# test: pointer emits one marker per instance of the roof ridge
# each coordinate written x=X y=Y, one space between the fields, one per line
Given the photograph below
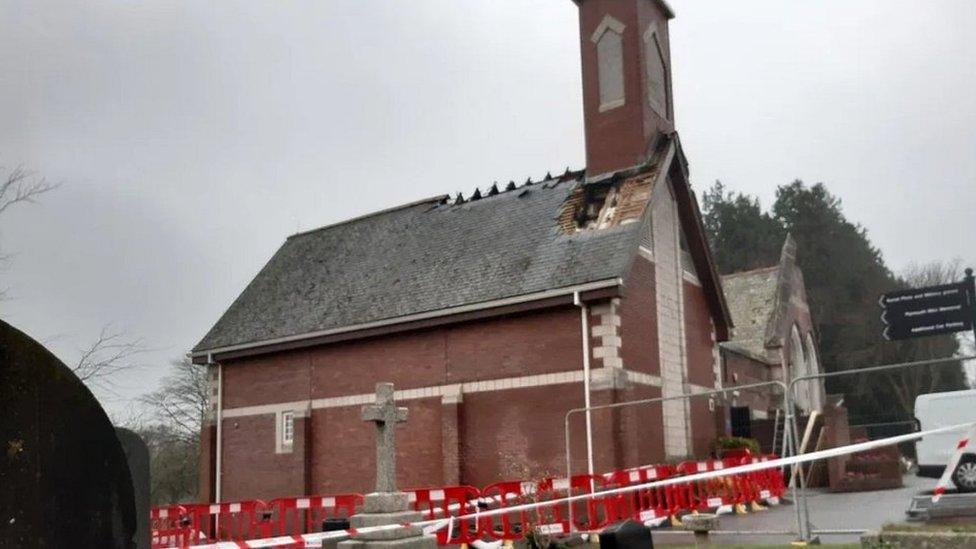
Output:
x=549 y=180
x=434 y=199
x=568 y=175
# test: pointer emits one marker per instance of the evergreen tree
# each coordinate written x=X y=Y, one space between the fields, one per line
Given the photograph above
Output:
x=741 y=235
x=844 y=275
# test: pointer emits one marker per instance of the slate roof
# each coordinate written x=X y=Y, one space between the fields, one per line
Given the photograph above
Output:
x=419 y=258
x=751 y=296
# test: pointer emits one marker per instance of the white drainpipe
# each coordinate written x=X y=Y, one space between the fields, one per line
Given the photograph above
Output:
x=220 y=424
x=585 y=326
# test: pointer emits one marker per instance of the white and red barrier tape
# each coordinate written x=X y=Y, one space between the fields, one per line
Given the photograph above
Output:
x=946 y=480
x=430 y=526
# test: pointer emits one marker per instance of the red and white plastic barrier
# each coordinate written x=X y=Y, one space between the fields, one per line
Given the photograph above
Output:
x=225 y=521
x=651 y=506
x=967 y=443
x=293 y=516
x=441 y=502
x=179 y=526
x=545 y=506
x=170 y=527
x=298 y=515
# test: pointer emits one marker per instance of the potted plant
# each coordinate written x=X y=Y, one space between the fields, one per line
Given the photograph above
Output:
x=736 y=447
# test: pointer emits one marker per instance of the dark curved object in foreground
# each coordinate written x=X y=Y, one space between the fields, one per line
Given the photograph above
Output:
x=64 y=481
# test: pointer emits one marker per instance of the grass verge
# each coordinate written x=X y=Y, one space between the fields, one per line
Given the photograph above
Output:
x=967 y=527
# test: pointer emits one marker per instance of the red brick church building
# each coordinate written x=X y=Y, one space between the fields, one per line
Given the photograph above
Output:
x=486 y=311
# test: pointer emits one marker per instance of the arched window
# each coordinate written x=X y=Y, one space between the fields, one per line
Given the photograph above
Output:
x=813 y=362
x=813 y=367
x=797 y=368
x=608 y=38
x=796 y=354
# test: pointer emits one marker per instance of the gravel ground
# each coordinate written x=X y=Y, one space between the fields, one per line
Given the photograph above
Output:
x=858 y=510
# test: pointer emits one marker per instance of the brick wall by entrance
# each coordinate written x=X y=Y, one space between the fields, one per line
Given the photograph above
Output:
x=638 y=313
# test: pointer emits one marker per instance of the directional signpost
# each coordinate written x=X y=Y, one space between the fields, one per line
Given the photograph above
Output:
x=934 y=310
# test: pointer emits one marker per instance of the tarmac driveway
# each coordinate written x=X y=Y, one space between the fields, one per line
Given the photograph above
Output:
x=857 y=510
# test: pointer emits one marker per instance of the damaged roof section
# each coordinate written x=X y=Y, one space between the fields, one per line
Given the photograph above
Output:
x=608 y=203
x=439 y=254
x=423 y=257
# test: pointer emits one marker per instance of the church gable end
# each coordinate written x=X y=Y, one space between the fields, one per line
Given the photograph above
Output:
x=509 y=295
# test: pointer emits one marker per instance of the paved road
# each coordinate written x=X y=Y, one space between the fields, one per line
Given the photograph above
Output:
x=867 y=510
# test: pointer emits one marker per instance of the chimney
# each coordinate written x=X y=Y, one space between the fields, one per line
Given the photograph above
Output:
x=626 y=81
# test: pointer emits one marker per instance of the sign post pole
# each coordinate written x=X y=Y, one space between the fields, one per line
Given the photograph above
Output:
x=971 y=298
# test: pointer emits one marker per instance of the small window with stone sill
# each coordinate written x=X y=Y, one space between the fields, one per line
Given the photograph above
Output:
x=287 y=428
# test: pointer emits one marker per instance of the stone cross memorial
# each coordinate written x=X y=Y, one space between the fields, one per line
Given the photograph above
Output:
x=386 y=415
x=386 y=505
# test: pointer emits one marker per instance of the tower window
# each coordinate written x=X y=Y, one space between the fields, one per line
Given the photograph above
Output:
x=657 y=73
x=608 y=38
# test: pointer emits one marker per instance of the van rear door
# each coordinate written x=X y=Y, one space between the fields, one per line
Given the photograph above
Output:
x=941 y=410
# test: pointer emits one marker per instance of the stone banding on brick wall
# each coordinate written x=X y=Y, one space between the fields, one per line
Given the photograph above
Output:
x=449 y=394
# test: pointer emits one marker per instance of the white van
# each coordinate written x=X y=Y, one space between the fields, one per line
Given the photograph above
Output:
x=941 y=410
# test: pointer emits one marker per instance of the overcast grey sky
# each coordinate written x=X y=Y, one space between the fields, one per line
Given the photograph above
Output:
x=192 y=137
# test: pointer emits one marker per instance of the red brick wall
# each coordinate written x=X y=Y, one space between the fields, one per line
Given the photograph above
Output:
x=342 y=447
x=638 y=436
x=638 y=320
x=451 y=443
x=701 y=369
x=539 y=343
x=343 y=457
x=251 y=468
x=344 y=451
x=491 y=431
x=524 y=437
x=742 y=370
x=703 y=426
x=519 y=433
x=268 y=379
x=698 y=337
x=517 y=345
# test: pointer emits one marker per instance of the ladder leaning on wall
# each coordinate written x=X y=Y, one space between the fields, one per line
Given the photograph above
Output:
x=779 y=442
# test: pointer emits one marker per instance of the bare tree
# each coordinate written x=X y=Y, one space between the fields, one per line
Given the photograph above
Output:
x=22 y=186
x=177 y=410
x=111 y=353
x=173 y=464
x=182 y=400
